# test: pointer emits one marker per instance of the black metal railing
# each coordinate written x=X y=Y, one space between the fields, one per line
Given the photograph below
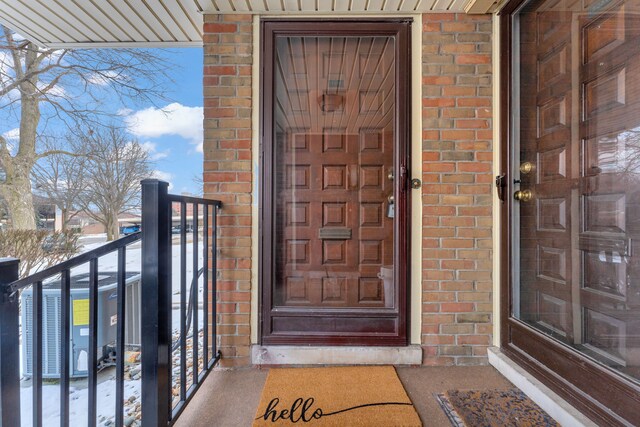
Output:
x=190 y=304
x=158 y=344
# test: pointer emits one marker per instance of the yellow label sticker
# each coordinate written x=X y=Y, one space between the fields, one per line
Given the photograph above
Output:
x=80 y=312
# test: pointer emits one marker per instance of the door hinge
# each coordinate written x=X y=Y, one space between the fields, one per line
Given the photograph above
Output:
x=501 y=184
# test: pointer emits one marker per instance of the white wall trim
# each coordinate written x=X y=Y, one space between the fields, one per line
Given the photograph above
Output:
x=416 y=172
x=325 y=355
x=255 y=196
x=497 y=204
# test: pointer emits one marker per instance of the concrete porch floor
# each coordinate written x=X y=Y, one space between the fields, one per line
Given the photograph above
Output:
x=230 y=397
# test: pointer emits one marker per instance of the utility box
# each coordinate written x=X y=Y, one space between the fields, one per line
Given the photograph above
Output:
x=79 y=336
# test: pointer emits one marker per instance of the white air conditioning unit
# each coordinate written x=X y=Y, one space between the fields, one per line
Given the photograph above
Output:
x=133 y=319
x=79 y=334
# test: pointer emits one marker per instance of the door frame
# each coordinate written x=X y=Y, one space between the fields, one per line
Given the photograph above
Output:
x=600 y=393
x=401 y=28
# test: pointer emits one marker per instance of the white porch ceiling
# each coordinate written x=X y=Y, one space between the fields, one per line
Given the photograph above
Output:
x=108 y=23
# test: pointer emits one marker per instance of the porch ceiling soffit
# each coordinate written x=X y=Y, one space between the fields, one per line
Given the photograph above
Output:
x=149 y=23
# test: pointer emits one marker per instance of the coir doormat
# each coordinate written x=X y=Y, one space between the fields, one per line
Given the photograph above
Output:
x=345 y=396
x=493 y=408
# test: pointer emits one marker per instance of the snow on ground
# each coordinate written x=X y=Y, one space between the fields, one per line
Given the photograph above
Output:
x=106 y=383
x=78 y=403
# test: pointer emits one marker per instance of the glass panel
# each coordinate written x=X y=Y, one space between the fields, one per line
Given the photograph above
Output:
x=333 y=169
x=577 y=121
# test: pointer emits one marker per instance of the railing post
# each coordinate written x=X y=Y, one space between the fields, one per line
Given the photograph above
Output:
x=156 y=305
x=9 y=346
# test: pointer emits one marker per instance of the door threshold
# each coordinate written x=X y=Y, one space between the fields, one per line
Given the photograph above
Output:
x=554 y=405
x=325 y=355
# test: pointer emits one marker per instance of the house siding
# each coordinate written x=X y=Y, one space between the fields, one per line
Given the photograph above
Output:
x=457 y=175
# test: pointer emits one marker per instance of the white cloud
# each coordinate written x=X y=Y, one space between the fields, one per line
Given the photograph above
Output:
x=7 y=76
x=174 y=119
x=164 y=176
x=12 y=135
x=56 y=90
x=103 y=78
x=152 y=150
x=6 y=64
x=52 y=56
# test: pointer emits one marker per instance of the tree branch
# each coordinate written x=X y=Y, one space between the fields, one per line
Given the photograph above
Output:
x=54 y=152
x=17 y=64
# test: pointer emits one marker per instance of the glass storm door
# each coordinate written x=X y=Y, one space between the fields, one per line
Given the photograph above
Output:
x=334 y=179
x=576 y=171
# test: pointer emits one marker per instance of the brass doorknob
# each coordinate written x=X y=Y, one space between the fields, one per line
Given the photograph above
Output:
x=526 y=168
x=523 y=195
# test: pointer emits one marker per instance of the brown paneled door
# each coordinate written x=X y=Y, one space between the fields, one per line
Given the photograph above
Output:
x=546 y=160
x=334 y=217
x=578 y=176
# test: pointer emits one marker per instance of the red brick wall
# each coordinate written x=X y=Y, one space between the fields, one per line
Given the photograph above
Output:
x=457 y=177
x=457 y=191
x=227 y=172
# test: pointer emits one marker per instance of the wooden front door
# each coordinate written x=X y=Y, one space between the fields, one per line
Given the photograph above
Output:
x=334 y=183
x=576 y=214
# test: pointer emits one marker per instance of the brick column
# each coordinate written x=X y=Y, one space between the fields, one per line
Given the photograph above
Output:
x=227 y=172
x=457 y=191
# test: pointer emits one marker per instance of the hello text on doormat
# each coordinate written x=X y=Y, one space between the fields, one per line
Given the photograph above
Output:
x=302 y=410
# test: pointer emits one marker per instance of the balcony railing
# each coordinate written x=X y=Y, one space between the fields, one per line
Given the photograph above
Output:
x=169 y=375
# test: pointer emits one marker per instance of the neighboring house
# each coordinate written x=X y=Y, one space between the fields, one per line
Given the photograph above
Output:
x=86 y=225
x=45 y=213
x=355 y=146
x=49 y=218
x=176 y=211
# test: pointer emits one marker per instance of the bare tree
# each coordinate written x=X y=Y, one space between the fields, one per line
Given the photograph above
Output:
x=198 y=180
x=72 y=86
x=114 y=168
x=60 y=177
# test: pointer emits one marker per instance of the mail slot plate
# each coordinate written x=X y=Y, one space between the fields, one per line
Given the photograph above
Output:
x=334 y=233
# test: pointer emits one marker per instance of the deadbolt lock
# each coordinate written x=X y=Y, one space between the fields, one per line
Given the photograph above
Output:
x=523 y=195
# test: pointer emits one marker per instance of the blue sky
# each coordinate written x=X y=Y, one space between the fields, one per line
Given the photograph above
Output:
x=171 y=131
x=174 y=137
